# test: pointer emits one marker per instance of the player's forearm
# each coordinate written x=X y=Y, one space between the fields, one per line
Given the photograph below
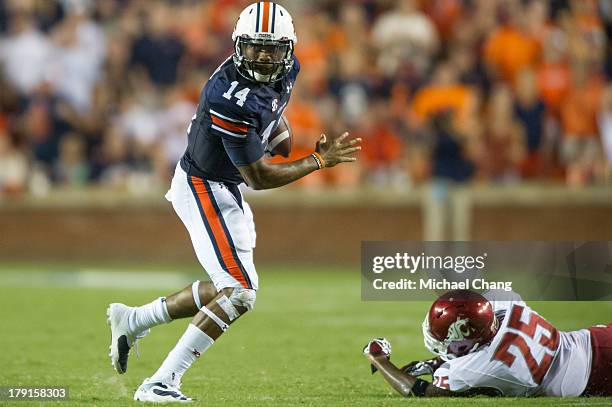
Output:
x=267 y=176
x=408 y=385
x=399 y=380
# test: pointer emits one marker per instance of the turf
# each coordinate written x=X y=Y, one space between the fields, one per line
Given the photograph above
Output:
x=300 y=346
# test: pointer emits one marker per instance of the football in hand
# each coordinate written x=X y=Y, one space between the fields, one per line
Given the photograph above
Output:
x=280 y=141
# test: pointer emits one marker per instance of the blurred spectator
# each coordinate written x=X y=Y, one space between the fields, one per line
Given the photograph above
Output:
x=580 y=145
x=444 y=14
x=25 y=53
x=77 y=61
x=174 y=120
x=554 y=78
x=510 y=48
x=530 y=111
x=469 y=69
x=443 y=93
x=139 y=118
x=405 y=35
x=351 y=85
x=45 y=121
x=158 y=49
x=72 y=167
x=503 y=138
x=450 y=158
x=102 y=92
x=605 y=125
x=383 y=149
x=13 y=166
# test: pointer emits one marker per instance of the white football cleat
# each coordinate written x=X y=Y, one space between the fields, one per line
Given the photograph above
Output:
x=122 y=339
x=158 y=392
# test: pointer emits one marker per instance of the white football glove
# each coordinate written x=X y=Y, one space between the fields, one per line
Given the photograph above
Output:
x=378 y=346
x=419 y=369
x=424 y=367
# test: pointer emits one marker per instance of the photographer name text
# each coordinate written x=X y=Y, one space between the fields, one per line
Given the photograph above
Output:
x=441 y=284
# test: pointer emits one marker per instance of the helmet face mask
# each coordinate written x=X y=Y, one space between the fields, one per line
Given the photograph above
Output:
x=263 y=61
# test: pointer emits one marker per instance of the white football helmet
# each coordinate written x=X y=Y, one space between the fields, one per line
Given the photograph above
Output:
x=264 y=39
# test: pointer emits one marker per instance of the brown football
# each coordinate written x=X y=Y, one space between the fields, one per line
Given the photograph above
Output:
x=281 y=139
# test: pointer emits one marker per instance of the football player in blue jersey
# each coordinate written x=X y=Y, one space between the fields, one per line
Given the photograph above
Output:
x=240 y=107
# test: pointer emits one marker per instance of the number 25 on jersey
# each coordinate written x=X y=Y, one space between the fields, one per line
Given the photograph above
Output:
x=525 y=342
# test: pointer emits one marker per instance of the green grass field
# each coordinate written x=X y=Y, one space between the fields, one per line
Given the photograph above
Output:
x=300 y=346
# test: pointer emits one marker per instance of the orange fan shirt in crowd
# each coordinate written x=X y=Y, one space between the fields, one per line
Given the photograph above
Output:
x=311 y=54
x=508 y=51
x=444 y=14
x=433 y=99
x=553 y=81
x=579 y=109
x=336 y=39
x=381 y=148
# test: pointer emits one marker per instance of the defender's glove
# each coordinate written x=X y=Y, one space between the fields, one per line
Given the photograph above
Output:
x=422 y=367
x=377 y=346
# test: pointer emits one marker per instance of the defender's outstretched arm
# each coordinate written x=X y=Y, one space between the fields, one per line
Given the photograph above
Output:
x=408 y=385
x=399 y=380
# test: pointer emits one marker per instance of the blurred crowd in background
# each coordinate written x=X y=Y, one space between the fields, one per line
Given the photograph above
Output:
x=100 y=92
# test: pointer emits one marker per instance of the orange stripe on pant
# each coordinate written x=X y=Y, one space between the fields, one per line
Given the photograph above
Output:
x=266 y=17
x=220 y=239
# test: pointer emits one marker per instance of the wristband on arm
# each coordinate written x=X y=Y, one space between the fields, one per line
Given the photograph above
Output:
x=318 y=159
x=418 y=388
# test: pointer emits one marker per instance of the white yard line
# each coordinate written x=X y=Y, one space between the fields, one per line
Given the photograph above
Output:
x=96 y=278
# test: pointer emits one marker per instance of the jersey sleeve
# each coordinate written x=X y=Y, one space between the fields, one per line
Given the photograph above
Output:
x=502 y=300
x=296 y=65
x=446 y=378
x=237 y=129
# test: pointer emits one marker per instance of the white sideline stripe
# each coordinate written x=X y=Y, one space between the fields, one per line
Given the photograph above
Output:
x=222 y=130
x=93 y=278
x=228 y=118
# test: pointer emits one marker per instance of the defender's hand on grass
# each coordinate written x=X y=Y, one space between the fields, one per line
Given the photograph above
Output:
x=378 y=348
x=339 y=150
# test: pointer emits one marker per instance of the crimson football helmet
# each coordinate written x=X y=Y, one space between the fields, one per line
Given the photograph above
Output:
x=458 y=323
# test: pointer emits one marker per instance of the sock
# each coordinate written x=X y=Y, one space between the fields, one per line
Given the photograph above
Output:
x=192 y=344
x=149 y=315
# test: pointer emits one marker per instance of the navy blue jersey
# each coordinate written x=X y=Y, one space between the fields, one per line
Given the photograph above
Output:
x=234 y=119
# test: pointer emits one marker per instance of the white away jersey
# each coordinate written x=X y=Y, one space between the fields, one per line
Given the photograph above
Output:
x=527 y=357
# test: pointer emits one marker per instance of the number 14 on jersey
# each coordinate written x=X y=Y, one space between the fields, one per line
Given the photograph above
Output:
x=241 y=95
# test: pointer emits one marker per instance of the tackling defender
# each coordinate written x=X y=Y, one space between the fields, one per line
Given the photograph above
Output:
x=499 y=348
x=240 y=106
